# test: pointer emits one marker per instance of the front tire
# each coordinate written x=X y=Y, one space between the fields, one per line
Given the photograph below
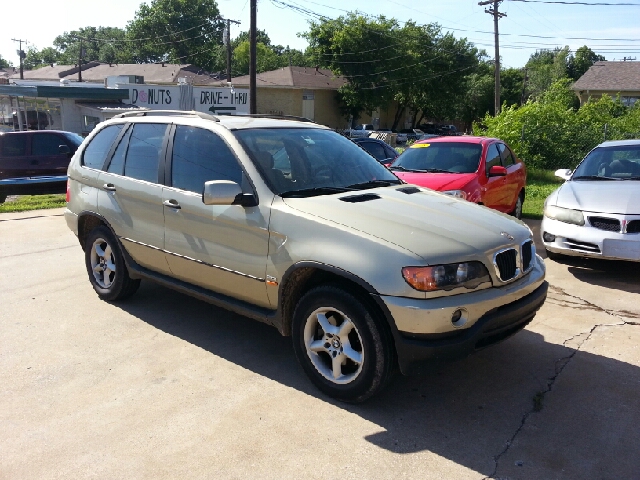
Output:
x=517 y=210
x=107 y=271
x=342 y=346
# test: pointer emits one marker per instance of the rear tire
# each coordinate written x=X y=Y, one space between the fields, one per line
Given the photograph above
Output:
x=3 y=197
x=107 y=271
x=343 y=347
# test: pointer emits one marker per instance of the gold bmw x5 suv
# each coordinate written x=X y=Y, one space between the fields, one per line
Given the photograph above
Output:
x=289 y=223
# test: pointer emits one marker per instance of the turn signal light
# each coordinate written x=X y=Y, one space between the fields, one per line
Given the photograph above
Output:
x=68 y=190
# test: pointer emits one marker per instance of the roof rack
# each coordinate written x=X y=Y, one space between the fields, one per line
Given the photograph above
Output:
x=277 y=117
x=146 y=113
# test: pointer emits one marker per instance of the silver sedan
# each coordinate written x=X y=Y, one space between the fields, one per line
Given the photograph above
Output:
x=596 y=212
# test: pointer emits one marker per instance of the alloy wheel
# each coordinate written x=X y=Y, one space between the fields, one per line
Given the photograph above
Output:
x=103 y=263
x=334 y=345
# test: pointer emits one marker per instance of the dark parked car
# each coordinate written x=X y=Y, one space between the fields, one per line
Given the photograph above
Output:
x=35 y=162
x=377 y=149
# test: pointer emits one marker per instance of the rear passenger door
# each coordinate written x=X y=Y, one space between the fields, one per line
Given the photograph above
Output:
x=46 y=156
x=219 y=247
x=130 y=197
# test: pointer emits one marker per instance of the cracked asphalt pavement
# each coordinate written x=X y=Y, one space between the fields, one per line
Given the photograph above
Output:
x=165 y=386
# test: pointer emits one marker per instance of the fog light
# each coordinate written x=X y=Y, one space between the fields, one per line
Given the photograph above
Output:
x=547 y=237
x=459 y=317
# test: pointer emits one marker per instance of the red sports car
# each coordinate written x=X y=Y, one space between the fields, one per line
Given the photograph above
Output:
x=477 y=169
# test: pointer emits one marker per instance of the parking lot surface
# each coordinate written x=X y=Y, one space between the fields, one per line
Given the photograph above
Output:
x=165 y=386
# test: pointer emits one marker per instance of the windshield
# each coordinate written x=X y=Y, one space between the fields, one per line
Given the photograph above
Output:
x=621 y=162
x=312 y=160
x=450 y=157
x=74 y=138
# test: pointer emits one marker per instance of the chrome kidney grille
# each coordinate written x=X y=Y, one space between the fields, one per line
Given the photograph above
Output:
x=512 y=263
x=507 y=263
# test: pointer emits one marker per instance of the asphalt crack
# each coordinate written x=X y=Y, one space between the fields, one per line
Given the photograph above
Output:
x=561 y=363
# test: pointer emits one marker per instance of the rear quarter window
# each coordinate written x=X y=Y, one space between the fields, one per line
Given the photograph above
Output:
x=96 y=152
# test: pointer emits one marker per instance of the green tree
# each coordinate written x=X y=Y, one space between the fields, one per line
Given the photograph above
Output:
x=417 y=66
x=177 y=31
x=94 y=40
x=583 y=59
x=266 y=59
x=545 y=67
x=4 y=63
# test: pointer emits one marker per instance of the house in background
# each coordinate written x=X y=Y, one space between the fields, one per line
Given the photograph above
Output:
x=610 y=78
x=308 y=92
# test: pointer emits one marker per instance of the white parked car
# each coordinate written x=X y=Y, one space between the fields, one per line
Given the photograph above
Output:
x=596 y=212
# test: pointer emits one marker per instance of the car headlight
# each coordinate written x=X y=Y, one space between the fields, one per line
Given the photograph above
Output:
x=565 y=215
x=446 y=277
x=456 y=193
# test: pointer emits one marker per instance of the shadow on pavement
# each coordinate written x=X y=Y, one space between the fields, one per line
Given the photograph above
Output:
x=466 y=413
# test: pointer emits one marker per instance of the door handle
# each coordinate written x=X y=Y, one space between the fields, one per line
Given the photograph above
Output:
x=109 y=187
x=35 y=162
x=172 y=204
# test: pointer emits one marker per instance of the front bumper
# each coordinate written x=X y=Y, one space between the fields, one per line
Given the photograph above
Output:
x=587 y=241
x=424 y=333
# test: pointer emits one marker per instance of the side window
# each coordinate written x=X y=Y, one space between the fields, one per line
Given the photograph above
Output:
x=375 y=149
x=493 y=157
x=117 y=161
x=200 y=156
x=507 y=156
x=96 y=152
x=144 y=150
x=14 y=145
x=46 y=144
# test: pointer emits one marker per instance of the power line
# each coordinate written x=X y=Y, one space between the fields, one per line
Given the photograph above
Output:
x=560 y=2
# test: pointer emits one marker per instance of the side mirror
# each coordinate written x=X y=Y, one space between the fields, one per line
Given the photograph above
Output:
x=497 y=171
x=564 y=173
x=64 y=150
x=221 y=192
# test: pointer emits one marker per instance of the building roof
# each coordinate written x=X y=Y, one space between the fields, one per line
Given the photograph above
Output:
x=97 y=72
x=295 y=77
x=611 y=77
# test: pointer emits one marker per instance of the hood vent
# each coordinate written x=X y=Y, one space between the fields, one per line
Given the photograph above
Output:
x=409 y=190
x=365 y=197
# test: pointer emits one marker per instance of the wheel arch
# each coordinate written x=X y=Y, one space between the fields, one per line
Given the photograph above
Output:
x=303 y=276
x=87 y=221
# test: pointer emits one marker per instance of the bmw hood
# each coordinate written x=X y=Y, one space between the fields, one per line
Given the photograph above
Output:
x=601 y=196
x=426 y=223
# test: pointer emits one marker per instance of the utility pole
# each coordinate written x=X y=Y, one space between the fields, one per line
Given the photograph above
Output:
x=227 y=40
x=493 y=10
x=80 y=62
x=21 y=54
x=252 y=60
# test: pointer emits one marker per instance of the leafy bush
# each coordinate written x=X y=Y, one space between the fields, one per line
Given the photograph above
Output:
x=550 y=133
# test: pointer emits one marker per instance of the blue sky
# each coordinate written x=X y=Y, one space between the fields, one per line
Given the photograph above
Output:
x=464 y=18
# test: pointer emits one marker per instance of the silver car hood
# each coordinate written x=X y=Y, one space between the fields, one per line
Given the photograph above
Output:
x=428 y=224
x=602 y=196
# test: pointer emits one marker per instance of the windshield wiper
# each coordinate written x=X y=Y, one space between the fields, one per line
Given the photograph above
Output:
x=592 y=177
x=631 y=178
x=436 y=170
x=404 y=169
x=312 y=192
x=373 y=184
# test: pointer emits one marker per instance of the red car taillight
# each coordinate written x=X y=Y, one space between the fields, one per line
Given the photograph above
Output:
x=68 y=190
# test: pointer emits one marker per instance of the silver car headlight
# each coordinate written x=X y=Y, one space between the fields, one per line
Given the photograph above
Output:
x=566 y=215
x=456 y=193
x=446 y=277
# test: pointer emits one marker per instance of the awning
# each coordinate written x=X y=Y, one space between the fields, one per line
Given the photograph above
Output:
x=48 y=91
